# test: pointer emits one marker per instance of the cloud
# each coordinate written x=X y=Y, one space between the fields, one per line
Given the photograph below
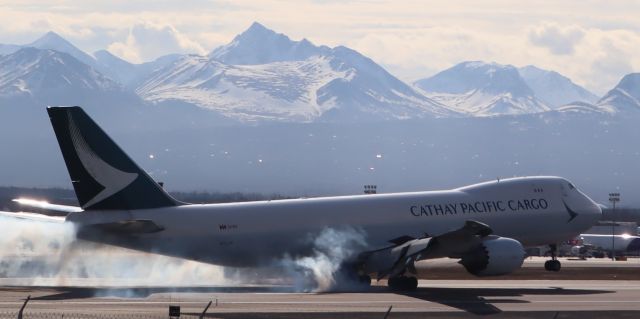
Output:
x=147 y=41
x=415 y=53
x=598 y=61
x=611 y=61
x=559 y=40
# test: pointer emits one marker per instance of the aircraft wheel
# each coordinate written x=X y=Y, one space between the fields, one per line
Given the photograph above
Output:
x=403 y=283
x=552 y=265
x=347 y=278
x=365 y=280
x=555 y=265
x=412 y=283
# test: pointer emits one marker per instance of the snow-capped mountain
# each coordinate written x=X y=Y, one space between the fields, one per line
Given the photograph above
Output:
x=482 y=89
x=317 y=84
x=625 y=97
x=31 y=79
x=292 y=81
x=119 y=70
x=40 y=73
x=124 y=72
x=273 y=47
x=52 y=41
x=553 y=88
x=264 y=75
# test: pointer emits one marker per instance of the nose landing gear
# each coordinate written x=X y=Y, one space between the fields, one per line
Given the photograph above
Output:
x=554 y=263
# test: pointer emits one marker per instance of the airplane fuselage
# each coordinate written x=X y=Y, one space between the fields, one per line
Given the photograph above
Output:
x=533 y=210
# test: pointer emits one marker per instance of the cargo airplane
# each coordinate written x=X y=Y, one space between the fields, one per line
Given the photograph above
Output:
x=486 y=226
x=622 y=244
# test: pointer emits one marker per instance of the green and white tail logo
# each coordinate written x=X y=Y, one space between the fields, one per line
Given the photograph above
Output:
x=112 y=179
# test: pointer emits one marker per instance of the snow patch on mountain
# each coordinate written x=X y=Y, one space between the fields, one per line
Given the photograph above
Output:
x=281 y=90
x=584 y=108
x=480 y=103
x=553 y=88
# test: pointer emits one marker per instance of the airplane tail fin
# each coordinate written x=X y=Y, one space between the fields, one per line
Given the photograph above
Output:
x=103 y=176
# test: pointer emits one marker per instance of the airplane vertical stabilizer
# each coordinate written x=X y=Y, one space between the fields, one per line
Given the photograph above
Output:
x=103 y=176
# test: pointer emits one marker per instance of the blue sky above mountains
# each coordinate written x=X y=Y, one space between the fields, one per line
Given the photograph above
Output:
x=592 y=42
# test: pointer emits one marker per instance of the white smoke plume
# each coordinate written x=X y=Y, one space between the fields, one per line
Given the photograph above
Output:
x=332 y=248
x=47 y=254
x=35 y=253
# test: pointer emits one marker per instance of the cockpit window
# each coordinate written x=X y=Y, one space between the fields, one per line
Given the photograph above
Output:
x=571 y=186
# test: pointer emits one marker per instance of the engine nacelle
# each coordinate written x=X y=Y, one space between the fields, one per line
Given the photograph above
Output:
x=495 y=256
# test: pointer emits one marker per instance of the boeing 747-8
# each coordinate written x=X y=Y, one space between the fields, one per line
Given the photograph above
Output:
x=486 y=226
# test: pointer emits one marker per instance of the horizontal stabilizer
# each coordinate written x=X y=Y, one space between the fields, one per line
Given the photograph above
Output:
x=46 y=208
x=32 y=217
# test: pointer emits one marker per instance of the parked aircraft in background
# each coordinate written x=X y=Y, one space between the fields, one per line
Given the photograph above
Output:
x=602 y=244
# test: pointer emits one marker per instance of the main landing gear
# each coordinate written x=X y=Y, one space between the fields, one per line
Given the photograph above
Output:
x=364 y=280
x=403 y=283
x=350 y=277
x=554 y=263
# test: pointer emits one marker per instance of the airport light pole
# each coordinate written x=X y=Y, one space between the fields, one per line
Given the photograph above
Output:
x=613 y=198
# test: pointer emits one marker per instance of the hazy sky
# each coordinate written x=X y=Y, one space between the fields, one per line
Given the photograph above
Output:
x=593 y=42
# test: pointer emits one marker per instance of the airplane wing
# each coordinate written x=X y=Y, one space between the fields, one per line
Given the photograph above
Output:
x=395 y=260
x=46 y=208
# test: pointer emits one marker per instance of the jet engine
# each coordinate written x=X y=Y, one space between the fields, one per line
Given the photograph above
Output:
x=495 y=256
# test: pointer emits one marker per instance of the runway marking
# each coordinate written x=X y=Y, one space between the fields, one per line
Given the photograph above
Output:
x=222 y=302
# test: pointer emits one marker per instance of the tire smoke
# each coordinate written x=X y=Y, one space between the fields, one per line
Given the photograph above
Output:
x=35 y=253
x=321 y=272
x=42 y=253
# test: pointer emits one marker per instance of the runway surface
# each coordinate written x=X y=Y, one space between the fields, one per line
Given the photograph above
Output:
x=596 y=288
x=438 y=298
x=533 y=268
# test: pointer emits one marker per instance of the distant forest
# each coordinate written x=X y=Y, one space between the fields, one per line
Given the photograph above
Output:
x=64 y=196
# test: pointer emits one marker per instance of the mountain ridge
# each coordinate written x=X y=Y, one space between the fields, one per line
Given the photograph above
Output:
x=554 y=88
x=316 y=83
x=260 y=45
x=264 y=75
x=624 y=97
x=482 y=89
